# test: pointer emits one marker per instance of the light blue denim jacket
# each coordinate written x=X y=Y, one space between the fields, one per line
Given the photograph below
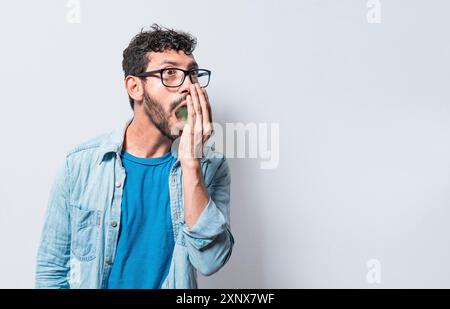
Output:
x=82 y=221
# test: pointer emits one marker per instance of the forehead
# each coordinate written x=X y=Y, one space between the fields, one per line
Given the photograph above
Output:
x=171 y=57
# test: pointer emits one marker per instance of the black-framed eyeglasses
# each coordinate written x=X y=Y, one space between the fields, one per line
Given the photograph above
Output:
x=174 y=77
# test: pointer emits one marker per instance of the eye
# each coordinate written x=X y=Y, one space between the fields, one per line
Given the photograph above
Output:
x=170 y=72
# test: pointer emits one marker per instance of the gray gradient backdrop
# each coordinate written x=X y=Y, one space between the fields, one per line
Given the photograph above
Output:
x=363 y=109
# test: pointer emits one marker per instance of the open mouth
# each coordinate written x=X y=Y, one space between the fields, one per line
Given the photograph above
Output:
x=181 y=112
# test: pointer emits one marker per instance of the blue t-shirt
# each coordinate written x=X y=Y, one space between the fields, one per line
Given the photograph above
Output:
x=146 y=241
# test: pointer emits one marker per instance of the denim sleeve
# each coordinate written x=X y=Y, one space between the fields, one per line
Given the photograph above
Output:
x=209 y=241
x=52 y=267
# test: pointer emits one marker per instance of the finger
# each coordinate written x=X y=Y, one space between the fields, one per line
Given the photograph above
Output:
x=209 y=108
x=190 y=123
x=207 y=127
x=198 y=125
x=208 y=104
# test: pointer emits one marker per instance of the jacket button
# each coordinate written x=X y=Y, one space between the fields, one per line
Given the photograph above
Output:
x=109 y=261
x=114 y=224
x=118 y=184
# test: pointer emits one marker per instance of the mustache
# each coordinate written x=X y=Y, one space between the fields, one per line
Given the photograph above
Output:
x=177 y=102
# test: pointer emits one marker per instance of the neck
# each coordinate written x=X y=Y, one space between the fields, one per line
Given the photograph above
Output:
x=144 y=140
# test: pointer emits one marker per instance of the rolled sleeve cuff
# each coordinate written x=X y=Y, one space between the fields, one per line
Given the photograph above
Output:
x=209 y=225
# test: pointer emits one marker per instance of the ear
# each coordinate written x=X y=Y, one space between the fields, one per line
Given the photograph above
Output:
x=135 y=88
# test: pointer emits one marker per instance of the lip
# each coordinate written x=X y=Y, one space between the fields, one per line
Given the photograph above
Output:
x=184 y=103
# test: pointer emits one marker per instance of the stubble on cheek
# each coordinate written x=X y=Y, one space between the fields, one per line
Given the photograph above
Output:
x=157 y=115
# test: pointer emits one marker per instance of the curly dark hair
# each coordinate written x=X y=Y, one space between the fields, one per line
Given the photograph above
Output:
x=156 y=39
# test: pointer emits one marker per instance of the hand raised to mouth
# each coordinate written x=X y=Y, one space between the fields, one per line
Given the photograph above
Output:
x=198 y=127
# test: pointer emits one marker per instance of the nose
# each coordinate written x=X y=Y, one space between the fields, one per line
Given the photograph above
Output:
x=184 y=88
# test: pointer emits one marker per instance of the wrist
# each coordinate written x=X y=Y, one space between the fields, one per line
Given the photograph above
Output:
x=192 y=164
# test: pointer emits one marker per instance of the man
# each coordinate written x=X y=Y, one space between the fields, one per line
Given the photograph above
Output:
x=146 y=206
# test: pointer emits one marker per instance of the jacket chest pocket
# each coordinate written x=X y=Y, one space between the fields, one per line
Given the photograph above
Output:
x=85 y=233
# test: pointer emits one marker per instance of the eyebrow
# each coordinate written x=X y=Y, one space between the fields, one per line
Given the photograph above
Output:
x=191 y=65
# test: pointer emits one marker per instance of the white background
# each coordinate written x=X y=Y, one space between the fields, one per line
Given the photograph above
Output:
x=363 y=110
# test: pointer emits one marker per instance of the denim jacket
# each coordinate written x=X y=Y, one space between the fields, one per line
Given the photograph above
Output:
x=82 y=221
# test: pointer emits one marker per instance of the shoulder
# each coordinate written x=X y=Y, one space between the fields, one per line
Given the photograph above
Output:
x=88 y=145
x=210 y=154
x=88 y=152
x=217 y=161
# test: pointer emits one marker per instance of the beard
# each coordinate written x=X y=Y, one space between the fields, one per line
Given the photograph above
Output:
x=159 y=117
